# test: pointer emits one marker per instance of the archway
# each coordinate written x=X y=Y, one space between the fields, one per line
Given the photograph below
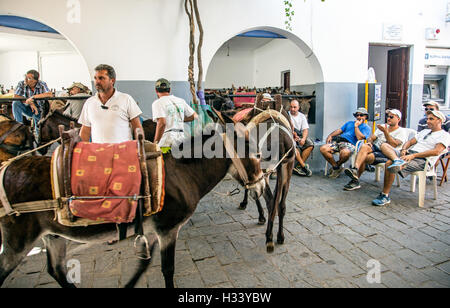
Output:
x=263 y=57
x=29 y=44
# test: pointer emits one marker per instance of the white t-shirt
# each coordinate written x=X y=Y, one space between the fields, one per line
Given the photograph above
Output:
x=399 y=134
x=427 y=140
x=174 y=110
x=110 y=125
x=300 y=122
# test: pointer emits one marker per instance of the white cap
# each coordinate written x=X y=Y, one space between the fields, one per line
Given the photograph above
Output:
x=267 y=96
x=396 y=112
x=437 y=114
x=432 y=103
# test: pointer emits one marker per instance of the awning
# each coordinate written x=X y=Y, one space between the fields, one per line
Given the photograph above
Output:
x=261 y=34
x=24 y=24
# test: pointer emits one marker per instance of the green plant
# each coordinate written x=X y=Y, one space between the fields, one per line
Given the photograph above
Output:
x=289 y=13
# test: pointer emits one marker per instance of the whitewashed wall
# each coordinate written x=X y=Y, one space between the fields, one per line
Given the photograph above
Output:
x=14 y=65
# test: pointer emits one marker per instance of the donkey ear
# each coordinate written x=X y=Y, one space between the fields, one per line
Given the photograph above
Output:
x=227 y=119
x=278 y=102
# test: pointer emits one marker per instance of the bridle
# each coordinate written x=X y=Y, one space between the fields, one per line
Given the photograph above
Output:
x=12 y=148
x=231 y=151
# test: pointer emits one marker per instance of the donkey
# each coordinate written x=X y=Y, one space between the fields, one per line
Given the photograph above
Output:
x=187 y=181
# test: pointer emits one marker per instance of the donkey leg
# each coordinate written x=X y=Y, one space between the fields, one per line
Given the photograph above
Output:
x=167 y=244
x=286 y=179
x=15 y=247
x=56 y=258
x=244 y=202
x=143 y=262
x=261 y=218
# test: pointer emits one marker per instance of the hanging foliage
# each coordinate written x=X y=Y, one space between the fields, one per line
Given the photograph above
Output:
x=289 y=13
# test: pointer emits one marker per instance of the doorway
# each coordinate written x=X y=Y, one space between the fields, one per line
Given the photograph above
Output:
x=391 y=64
x=286 y=80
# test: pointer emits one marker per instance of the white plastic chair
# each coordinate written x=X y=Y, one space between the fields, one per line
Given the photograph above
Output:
x=352 y=158
x=429 y=171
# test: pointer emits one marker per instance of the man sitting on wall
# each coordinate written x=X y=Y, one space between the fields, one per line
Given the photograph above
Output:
x=343 y=141
x=429 y=143
x=74 y=107
x=370 y=153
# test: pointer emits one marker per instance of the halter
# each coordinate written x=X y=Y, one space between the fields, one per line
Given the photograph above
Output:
x=283 y=127
x=238 y=164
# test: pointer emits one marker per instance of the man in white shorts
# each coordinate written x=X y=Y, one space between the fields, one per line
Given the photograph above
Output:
x=371 y=153
x=429 y=143
x=170 y=113
x=107 y=116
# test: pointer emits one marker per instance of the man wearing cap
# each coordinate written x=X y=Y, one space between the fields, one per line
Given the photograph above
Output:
x=343 y=141
x=304 y=144
x=74 y=107
x=266 y=97
x=429 y=143
x=370 y=153
x=32 y=89
x=429 y=106
x=107 y=116
x=170 y=113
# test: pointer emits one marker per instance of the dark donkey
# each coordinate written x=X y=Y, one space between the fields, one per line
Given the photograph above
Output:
x=187 y=181
x=276 y=203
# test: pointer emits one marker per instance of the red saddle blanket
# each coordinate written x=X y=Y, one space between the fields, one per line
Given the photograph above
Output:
x=111 y=170
x=241 y=114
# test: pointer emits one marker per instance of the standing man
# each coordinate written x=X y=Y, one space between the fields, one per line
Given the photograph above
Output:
x=343 y=141
x=107 y=116
x=170 y=113
x=32 y=89
x=370 y=153
x=304 y=144
x=430 y=106
x=429 y=143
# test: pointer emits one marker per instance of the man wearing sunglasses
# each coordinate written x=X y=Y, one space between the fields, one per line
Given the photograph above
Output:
x=430 y=106
x=32 y=89
x=370 y=153
x=429 y=143
x=343 y=141
x=107 y=116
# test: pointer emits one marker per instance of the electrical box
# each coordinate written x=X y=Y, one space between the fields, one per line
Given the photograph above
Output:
x=432 y=33
x=373 y=100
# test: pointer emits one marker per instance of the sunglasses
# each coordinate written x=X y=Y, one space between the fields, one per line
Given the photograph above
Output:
x=104 y=107
x=390 y=117
x=359 y=115
x=429 y=109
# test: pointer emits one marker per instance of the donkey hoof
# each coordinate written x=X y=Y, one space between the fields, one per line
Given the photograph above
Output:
x=261 y=221
x=270 y=247
x=280 y=241
x=242 y=206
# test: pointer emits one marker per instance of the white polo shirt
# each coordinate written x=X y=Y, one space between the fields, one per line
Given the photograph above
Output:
x=110 y=125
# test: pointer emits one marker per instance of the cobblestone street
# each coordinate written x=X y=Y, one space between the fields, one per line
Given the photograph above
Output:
x=330 y=237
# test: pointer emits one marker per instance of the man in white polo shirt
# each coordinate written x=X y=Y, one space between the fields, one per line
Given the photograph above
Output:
x=107 y=116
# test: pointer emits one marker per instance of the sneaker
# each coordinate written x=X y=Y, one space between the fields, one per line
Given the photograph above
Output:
x=352 y=173
x=307 y=171
x=352 y=185
x=299 y=171
x=381 y=200
x=396 y=166
x=335 y=173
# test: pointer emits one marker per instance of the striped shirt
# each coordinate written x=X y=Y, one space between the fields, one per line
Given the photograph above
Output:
x=24 y=90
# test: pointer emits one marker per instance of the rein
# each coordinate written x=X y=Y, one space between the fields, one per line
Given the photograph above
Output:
x=12 y=149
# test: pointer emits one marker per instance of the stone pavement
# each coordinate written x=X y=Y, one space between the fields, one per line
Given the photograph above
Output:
x=330 y=237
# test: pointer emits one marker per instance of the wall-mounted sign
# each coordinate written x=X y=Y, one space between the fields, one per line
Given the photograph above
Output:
x=392 y=32
x=437 y=56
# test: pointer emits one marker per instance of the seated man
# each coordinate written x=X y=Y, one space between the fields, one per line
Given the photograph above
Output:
x=343 y=141
x=304 y=144
x=370 y=153
x=429 y=106
x=430 y=143
x=74 y=107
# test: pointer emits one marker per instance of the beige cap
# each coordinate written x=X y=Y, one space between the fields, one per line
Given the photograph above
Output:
x=267 y=96
x=80 y=86
x=437 y=114
x=432 y=103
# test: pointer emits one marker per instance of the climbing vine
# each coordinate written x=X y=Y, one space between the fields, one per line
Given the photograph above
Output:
x=289 y=13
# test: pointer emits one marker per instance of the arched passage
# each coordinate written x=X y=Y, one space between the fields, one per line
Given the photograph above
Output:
x=31 y=44
x=262 y=60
